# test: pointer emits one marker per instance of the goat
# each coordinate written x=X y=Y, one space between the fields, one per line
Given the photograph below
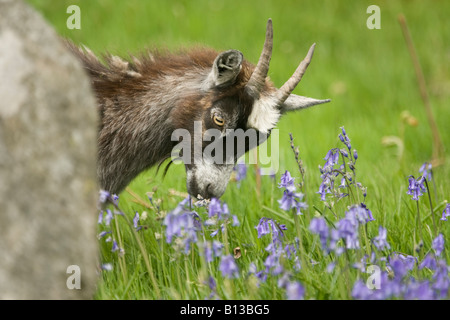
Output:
x=142 y=100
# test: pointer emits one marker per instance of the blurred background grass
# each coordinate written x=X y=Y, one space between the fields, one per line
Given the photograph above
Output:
x=368 y=74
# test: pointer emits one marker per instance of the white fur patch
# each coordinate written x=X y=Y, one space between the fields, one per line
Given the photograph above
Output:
x=265 y=115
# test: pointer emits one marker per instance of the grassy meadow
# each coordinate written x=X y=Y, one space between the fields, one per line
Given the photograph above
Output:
x=370 y=77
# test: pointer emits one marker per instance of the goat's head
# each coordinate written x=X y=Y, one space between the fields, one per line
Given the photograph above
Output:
x=236 y=97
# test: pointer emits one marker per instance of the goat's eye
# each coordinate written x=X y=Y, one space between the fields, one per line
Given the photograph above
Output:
x=218 y=120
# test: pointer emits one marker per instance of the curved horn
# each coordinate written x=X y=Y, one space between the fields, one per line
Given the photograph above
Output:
x=295 y=102
x=289 y=86
x=258 y=77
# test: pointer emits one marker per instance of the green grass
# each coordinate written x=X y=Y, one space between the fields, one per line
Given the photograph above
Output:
x=369 y=76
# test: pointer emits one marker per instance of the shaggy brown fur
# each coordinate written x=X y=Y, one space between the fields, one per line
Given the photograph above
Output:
x=143 y=99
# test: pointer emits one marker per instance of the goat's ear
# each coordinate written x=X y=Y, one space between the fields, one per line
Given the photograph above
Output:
x=295 y=102
x=226 y=68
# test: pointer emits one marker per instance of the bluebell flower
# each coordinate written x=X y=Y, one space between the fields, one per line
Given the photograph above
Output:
x=283 y=280
x=100 y=218
x=361 y=264
x=361 y=291
x=331 y=158
x=425 y=170
x=115 y=246
x=438 y=244
x=325 y=188
x=330 y=267
x=218 y=209
x=107 y=266
x=416 y=188
x=136 y=222
x=419 y=290
x=292 y=200
x=212 y=250
x=217 y=247
x=261 y=276
x=228 y=267
x=212 y=286
x=389 y=288
x=211 y=283
x=347 y=228
x=272 y=262
x=252 y=269
x=221 y=211
x=290 y=250
x=362 y=188
x=208 y=253
x=215 y=232
x=263 y=227
x=441 y=281
x=342 y=185
x=182 y=206
x=334 y=238
x=345 y=139
x=183 y=224
x=286 y=181
x=408 y=260
x=329 y=174
x=235 y=221
x=214 y=207
x=174 y=225
x=267 y=226
x=369 y=213
x=241 y=172
x=446 y=212
x=428 y=262
x=360 y=214
x=295 y=291
x=401 y=264
x=320 y=227
x=102 y=234
x=109 y=217
x=403 y=285
x=348 y=231
x=103 y=196
x=380 y=241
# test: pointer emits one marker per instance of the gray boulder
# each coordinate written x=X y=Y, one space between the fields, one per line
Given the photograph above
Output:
x=48 y=187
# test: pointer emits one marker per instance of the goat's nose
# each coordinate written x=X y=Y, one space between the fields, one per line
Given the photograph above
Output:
x=209 y=193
